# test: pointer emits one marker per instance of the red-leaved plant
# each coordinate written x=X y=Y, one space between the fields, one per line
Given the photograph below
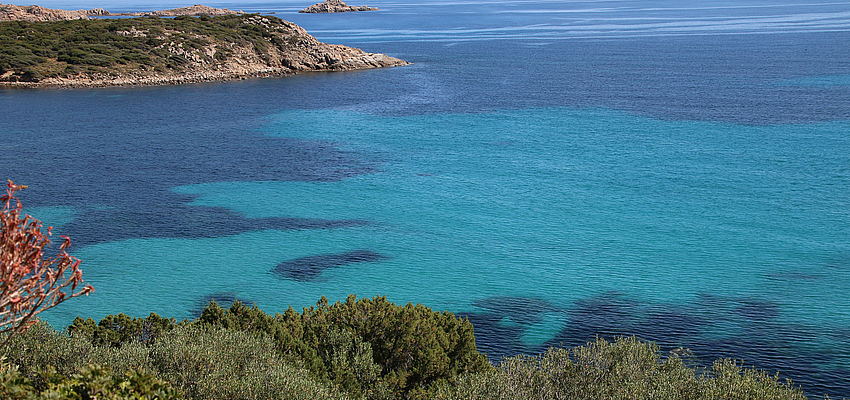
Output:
x=31 y=281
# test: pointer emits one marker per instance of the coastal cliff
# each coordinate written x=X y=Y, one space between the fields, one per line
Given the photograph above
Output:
x=335 y=6
x=156 y=51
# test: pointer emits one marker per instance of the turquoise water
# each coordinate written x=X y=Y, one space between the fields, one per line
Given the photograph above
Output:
x=824 y=81
x=675 y=172
x=53 y=217
x=556 y=203
x=553 y=205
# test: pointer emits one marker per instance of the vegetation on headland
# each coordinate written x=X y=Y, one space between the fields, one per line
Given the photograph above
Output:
x=357 y=349
x=37 y=50
x=145 y=50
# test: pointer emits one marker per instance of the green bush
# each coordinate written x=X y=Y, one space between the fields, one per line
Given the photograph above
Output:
x=13 y=385
x=728 y=379
x=115 y=330
x=204 y=362
x=624 y=369
x=41 y=347
x=92 y=382
x=349 y=361
x=133 y=356
x=362 y=348
x=208 y=362
x=414 y=346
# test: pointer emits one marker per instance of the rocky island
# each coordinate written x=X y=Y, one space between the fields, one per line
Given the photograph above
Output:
x=157 y=51
x=334 y=6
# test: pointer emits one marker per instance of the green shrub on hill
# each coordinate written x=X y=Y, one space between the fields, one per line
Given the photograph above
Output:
x=91 y=382
x=412 y=347
x=362 y=348
x=207 y=362
x=368 y=348
x=198 y=361
x=36 y=50
x=41 y=380
x=42 y=347
x=625 y=369
x=115 y=330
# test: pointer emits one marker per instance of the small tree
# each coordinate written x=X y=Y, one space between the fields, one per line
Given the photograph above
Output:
x=30 y=281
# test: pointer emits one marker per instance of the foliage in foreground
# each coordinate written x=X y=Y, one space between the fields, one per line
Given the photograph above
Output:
x=625 y=369
x=30 y=280
x=201 y=360
x=197 y=361
x=92 y=382
x=368 y=347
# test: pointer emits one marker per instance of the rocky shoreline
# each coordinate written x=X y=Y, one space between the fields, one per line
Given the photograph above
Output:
x=284 y=48
x=223 y=74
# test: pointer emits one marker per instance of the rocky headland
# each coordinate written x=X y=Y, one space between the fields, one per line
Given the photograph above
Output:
x=158 y=51
x=334 y=6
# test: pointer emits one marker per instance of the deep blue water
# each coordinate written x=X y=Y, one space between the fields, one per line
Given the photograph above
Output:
x=552 y=170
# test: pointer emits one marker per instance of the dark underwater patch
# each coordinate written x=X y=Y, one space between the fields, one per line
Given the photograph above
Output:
x=306 y=269
x=663 y=324
x=495 y=339
x=757 y=310
x=117 y=176
x=761 y=342
x=522 y=310
x=764 y=349
x=180 y=221
x=719 y=308
x=607 y=315
x=223 y=299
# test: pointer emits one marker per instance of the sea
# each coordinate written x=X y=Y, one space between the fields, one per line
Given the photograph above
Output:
x=554 y=171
